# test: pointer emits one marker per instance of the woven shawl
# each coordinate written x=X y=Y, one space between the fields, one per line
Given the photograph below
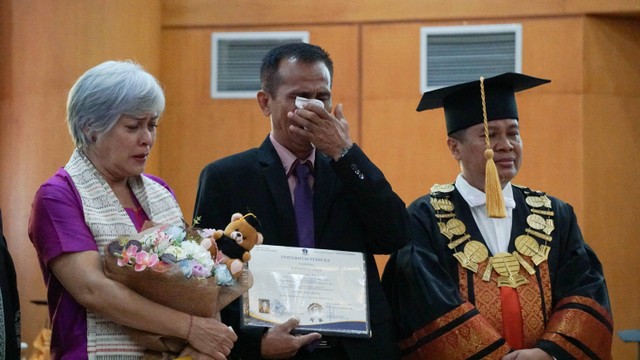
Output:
x=107 y=220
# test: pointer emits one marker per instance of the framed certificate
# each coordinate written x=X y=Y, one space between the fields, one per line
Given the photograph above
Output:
x=325 y=289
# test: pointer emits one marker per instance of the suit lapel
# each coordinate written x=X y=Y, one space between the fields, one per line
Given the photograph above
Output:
x=275 y=177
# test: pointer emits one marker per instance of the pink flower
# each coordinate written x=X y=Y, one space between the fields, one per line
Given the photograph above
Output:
x=127 y=254
x=144 y=260
x=162 y=241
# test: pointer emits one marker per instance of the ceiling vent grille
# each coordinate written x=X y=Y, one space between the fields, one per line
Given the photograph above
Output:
x=236 y=58
x=455 y=54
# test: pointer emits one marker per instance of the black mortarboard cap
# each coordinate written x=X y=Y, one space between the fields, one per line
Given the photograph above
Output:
x=463 y=102
x=253 y=221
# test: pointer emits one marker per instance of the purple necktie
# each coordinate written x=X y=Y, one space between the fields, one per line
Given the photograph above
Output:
x=303 y=205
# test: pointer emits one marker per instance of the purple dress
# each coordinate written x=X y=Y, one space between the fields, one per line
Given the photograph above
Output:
x=56 y=227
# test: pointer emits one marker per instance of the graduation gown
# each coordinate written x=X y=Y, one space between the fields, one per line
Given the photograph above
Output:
x=443 y=310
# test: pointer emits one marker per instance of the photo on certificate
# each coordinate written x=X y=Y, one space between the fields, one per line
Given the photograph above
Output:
x=325 y=289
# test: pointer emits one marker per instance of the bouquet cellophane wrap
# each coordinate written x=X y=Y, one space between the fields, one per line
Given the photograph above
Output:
x=198 y=297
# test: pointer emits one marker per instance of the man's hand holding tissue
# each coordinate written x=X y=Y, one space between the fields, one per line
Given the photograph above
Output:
x=328 y=132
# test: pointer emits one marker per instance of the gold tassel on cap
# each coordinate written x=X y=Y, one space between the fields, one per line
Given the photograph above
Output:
x=492 y=188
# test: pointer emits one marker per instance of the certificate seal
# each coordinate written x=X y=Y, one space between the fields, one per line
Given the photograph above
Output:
x=277 y=307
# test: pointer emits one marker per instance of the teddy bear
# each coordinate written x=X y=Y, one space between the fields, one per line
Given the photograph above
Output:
x=236 y=240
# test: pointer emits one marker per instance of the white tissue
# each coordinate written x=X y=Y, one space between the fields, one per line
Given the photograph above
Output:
x=300 y=102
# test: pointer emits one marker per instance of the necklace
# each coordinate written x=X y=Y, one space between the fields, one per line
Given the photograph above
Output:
x=534 y=243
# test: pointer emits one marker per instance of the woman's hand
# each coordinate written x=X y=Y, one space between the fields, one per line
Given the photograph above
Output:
x=211 y=337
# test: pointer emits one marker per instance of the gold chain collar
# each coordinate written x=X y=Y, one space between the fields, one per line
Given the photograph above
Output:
x=533 y=243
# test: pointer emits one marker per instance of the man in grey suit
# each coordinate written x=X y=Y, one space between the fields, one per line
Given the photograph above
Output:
x=354 y=207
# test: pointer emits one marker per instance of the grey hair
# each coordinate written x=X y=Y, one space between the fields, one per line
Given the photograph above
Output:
x=106 y=92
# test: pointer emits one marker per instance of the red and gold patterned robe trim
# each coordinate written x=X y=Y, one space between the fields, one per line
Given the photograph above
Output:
x=462 y=333
x=567 y=346
x=585 y=311
x=487 y=300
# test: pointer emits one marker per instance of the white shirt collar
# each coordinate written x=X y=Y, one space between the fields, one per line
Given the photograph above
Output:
x=475 y=197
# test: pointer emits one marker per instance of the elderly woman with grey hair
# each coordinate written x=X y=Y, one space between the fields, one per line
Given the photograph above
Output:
x=100 y=194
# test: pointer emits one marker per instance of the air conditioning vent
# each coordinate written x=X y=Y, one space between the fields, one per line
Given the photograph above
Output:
x=236 y=58
x=455 y=54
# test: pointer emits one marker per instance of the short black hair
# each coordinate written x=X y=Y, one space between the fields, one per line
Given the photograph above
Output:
x=306 y=53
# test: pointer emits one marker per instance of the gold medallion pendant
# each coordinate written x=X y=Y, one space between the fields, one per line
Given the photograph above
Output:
x=443 y=188
x=474 y=252
x=442 y=204
x=452 y=227
x=508 y=267
x=533 y=243
x=528 y=246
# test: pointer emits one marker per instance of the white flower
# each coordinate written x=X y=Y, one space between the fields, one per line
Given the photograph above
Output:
x=198 y=253
x=148 y=240
x=176 y=251
x=205 y=233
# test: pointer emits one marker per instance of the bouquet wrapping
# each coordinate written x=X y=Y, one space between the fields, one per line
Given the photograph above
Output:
x=172 y=266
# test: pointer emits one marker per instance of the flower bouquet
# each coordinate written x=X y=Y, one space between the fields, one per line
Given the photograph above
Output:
x=173 y=266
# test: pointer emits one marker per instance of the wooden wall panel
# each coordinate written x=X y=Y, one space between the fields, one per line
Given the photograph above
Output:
x=611 y=132
x=611 y=56
x=553 y=49
x=402 y=142
x=250 y=13
x=611 y=197
x=198 y=129
x=46 y=47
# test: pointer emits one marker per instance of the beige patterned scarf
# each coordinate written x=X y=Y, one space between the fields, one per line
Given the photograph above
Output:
x=107 y=220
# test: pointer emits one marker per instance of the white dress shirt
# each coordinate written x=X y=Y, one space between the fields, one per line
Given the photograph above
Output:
x=496 y=232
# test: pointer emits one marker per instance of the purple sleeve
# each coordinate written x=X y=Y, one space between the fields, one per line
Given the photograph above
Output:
x=57 y=222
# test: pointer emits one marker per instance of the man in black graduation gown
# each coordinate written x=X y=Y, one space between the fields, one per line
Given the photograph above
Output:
x=494 y=270
x=9 y=304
